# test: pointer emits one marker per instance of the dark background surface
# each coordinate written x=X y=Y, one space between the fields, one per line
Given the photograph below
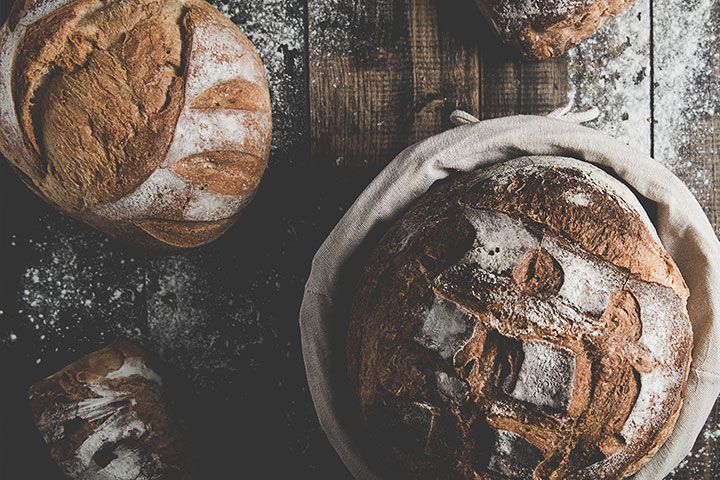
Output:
x=353 y=83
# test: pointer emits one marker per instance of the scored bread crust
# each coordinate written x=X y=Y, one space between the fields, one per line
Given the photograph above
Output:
x=521 y=318
x=548 y=28
x=149 y=120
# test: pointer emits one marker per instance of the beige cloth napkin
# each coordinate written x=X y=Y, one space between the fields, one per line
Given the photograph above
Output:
x=681 y=224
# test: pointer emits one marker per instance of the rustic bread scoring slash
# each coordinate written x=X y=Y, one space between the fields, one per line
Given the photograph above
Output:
x=548 y=28
x=520 y=321
x=148 y=119
x=105 y=417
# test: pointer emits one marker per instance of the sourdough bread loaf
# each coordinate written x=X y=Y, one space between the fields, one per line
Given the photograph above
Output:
x=106 y=416
x=148 y=119
x=520 y=321
x=548 y=28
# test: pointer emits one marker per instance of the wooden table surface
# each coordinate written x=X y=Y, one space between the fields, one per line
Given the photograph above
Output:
x=354 y=82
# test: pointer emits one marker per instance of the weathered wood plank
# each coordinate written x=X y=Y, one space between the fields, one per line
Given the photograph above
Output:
x=513 y=86
x=687 y=139
x=384 y=74
x=501 y=83
x=611 y=71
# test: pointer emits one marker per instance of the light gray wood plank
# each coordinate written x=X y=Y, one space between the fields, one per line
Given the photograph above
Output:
x=611 y=71
x=687 y=140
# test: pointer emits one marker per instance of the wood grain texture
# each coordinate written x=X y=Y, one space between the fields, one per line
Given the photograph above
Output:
x=686 y=73
x=371 y=95
x=386 y=73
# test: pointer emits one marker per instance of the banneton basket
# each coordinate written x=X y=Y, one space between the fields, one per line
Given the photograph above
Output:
x=681 y=224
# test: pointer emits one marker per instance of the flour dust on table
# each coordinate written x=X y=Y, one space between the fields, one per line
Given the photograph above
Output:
x=78 y=290
x=687 y=63
x=611 y=71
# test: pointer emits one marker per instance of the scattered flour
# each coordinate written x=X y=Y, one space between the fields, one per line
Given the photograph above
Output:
x=703 y=458
x=611 y=71
x=82 y=291
x=339 y=27
x=687 y=76
x=664 y=92
x=202 y=331
x=78 y=289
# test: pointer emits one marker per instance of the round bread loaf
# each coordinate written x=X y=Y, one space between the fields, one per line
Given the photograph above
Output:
x=148 y=119
x=548 y=28
x=520 y=321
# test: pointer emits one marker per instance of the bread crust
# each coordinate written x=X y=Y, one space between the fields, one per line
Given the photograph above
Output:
x=521 y=318
x=107 y=416
x=149 y=120
x=548 y=28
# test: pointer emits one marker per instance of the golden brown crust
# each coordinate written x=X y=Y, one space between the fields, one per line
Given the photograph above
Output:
x=98 y=96
x=550 y=27
x=122 y=112
x=493 y=335
x=609 y=233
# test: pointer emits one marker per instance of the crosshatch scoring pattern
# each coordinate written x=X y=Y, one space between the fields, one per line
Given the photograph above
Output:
x=538 y=341
x=353 y=83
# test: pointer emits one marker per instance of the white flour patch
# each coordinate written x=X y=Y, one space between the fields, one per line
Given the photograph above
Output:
x=501 y=242
x=588 y=282
x=546 y=375
x=687 y=59
x=447 y=329
x=453 y=389
x=222 y=57
x=581 y=199
x=135 y=367
x=611 y=71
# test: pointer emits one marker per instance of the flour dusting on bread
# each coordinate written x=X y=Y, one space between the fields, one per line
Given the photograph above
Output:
x=565 y=333
x=197 y=103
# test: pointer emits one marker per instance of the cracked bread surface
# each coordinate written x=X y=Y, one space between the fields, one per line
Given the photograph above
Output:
x=147 y=119
x=107 y=417
x=548 y=28
x=520 y=321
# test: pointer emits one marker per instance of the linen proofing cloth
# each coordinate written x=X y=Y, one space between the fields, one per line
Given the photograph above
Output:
x=680 y=222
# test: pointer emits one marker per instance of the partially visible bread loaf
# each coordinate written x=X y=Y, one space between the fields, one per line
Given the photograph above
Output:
x=106 y=417
x=148 y=119
x=548 y=28
x=520 y=321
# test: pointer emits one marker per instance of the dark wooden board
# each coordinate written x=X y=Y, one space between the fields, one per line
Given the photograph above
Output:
x=354 y=82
